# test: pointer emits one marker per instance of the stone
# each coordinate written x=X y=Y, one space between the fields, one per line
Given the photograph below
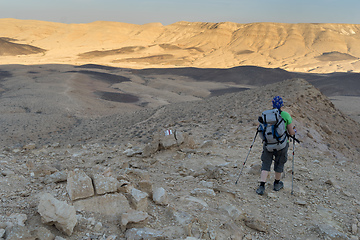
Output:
x=112 y=237
x=18 y=219
x=333 y=182
x=354 y=228
x=133 y=217
x=43 y=233
x=300 y=202
x=195 y=200
x=207 y=144
x=179 y=136
x=146 y=186
x=143 y=233
x=151 y=148
x=326 y=129
x=29 y=146
x=20 y=232
x=59 y=238
x=235 y=213
x=79 y=185
x=124 y=186
x=168 y=140
x=160 y=196
x=2 y=232
x=138 y=175
x=58 y=213
x=206 y=184
x=256 y=224
x=138 y=199
x=43 y=170
x=109 y=204
x=130 y=152
x=56 y=177
x=255 y=169
x=8 y=173
x=329 y=232
x=98 y=226
x=104 y=184
x=203 y=192
x=213 y=172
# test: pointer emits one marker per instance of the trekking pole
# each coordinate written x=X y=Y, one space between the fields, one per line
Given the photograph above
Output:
x=292 y=172
x=247 y=156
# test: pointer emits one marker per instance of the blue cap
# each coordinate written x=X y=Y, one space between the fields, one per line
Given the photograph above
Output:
x=277 y=102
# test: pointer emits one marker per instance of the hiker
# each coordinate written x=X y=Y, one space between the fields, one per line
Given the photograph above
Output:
x=279 y=156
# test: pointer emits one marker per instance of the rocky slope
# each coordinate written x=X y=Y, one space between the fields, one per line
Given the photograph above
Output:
x=321 y=48
x=182 y=186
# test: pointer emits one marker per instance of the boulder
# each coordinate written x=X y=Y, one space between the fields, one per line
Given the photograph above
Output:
x=133 y=217
x=79 y=185
x=138 y=199
x=109 y=204
x=168 y=139
x=104 y=184
x=59 y=213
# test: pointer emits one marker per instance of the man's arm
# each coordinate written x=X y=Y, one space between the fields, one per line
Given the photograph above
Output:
x=291 y=129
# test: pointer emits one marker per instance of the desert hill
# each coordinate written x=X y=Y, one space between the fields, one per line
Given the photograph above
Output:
x=42 y=103
x=196 y=173
x=141 y=130
x=321 y=48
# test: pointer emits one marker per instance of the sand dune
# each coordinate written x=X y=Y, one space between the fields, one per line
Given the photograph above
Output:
x=320 y=48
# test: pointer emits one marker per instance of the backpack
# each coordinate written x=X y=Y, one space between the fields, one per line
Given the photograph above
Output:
x=272 y=130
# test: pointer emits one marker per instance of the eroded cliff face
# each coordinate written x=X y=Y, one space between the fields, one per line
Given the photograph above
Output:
x=321 y=48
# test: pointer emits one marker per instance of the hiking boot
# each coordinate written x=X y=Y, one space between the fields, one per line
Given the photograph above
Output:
x=278 y=186
x=260 y=190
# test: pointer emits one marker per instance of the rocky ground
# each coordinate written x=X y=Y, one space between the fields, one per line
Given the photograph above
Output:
x=127 y=180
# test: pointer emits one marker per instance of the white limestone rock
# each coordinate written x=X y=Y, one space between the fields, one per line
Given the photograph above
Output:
x=105 y=184
x=160 y=196
x=133 y=217
x=203 y=192
x=58 y=213
x=108 y=204
x=143 y=233
x=43 y=233
x=138 y=199
x=20 y=232
x=79 y=185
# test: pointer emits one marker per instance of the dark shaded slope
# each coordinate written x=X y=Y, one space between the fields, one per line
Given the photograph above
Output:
x=346 y=84
x=8 y=48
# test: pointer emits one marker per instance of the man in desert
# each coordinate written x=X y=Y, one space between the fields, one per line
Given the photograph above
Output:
x=279 y=157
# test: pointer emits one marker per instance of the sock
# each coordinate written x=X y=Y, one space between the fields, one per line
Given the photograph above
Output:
x=262 y=184
x=276 y=181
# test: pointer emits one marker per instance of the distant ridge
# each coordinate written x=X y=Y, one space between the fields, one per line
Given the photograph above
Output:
x=318 y=48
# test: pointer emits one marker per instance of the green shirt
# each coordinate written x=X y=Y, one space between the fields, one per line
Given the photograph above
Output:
x=287 y=118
